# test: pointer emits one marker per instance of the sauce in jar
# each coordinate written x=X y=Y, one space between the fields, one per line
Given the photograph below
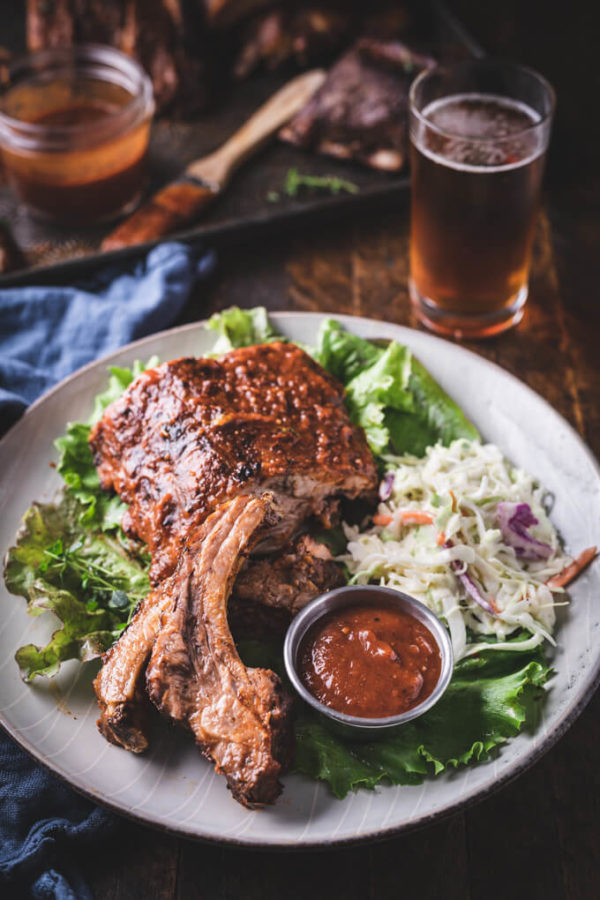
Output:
x=74 y=129
x=77 y=113
x=371 y=662
x=81 y=184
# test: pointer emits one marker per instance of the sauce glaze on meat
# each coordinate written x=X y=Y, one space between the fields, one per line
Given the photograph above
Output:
x=214 y=456
x=192 y=433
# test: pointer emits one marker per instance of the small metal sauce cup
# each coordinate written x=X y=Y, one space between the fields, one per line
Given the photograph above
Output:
x=357 y=727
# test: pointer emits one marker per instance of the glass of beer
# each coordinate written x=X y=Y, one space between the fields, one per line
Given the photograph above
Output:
x=479 y=132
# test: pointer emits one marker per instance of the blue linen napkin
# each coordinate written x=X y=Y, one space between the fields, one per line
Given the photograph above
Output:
x=45 y=334
x=48 y=332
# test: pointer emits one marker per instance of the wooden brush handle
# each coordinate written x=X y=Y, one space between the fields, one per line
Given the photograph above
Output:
x=169 y=210
x=259 y=128
x=182 y=201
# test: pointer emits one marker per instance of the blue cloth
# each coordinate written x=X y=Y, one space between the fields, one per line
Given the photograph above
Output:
x=44 y=827
x=48 y=332
x=45 y=334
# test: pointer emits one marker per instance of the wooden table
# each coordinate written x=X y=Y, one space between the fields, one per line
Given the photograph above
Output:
x=538 y=837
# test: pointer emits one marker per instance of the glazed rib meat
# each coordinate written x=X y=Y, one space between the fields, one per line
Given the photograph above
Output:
x=270 y=590
x=214 y=456
x=300 y=572
x=361 y=110
x=119 y=685
x=163 y=35
x=192 y=433
x=305 y=35
x=266 y=593
x=239 y=716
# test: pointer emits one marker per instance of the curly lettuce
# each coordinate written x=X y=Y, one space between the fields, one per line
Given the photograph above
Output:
x=237 y=327
x=489 y=699
x=86 y=577
x=401 y=408
x=390 y=394
x=76 y=463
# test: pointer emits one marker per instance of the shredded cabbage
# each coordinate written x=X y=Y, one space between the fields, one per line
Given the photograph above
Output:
x=460 y=488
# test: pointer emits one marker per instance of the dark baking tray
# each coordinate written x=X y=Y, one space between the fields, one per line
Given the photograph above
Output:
x=244 y=212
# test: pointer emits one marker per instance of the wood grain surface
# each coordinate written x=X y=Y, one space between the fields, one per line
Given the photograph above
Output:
x=539 y=837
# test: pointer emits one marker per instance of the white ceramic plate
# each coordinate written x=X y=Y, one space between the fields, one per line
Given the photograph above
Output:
x=173 y=786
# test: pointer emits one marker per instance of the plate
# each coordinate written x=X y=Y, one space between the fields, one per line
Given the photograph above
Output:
x=172 y=786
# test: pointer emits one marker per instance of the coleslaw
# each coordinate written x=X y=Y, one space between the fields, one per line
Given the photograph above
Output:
x=467 y=534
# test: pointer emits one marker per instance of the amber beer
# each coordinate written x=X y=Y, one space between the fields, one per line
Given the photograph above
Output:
x=477 y=161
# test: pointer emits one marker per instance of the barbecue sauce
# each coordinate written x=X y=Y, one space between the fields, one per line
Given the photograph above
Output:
x=369 y=661
x=78 y=112
x=81 y=183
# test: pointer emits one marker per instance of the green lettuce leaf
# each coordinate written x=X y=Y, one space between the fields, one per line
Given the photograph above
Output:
x=76 y=466
x=436 y=417
x=489 y=699
x=87 y=578
x=400 y=406
x=343 y=354
x=120 y=378
x=76 y=463
x=241 y=328
x=382 y=385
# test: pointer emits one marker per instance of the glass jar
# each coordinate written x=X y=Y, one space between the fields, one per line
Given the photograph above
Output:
x=74 y=131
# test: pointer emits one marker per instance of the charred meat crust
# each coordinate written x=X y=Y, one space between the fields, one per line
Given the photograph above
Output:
x=213 y=456
x=192 y=433
x=361 y=110
x=125 y=723
x=239 y=716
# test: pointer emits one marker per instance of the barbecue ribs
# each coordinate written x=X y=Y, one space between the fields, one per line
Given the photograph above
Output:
x=304 y=35
x=270 y=590
x=163 y=35
x=361 y=110
x=297 y=575
x=193 y=433
x=213 y=456
x=239 y=716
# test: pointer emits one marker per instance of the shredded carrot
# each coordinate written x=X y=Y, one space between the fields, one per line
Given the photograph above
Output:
x=406 y=516
x=570 y=572
x=381 y=519
x=493 y=604
x=454 y=503
x=414 y=517
x=441 y=539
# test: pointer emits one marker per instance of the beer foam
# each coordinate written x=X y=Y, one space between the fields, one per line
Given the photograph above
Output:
x=469 y=131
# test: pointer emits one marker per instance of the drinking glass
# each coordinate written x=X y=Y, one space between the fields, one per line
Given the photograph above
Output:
x=479 y=132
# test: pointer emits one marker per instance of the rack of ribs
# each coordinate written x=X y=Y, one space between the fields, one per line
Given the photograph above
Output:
x=361 y=109
x=216 y=457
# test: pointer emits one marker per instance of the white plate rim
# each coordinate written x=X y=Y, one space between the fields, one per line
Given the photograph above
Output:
x=569 y=715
